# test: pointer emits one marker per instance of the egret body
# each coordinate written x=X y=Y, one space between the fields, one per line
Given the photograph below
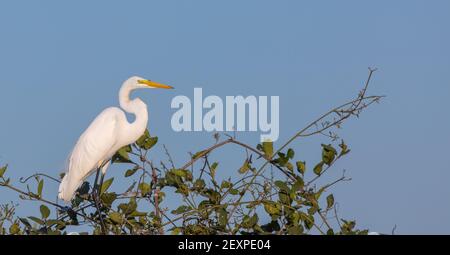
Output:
x=109 y=132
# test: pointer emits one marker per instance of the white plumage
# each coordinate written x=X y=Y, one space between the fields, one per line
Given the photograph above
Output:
x=109 y=132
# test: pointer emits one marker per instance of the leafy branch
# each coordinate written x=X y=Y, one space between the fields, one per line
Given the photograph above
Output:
x=286 y=200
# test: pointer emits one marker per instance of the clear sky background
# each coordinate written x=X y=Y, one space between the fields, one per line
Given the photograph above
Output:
x=62 y=62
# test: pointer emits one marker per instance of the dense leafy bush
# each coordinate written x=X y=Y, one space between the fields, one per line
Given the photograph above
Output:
x=293 y=204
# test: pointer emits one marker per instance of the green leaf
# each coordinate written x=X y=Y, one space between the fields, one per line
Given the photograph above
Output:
x=150 y=142
x=106 y=184
x=245 y=167
x=199 y=184
x=289 y=166
x=37 y=220
x=363 y=232
x=3 y=170
x=272 y=208
x=144 y=136
x=51 y=232
x=50 y=223
x=294 y=217
x=234 y=192
x=301 y=167
x=328 y=154
x=282 y=159
x=267 y=148
x=290 y=153
x=122 y=156
x=318 y=168
x=146 y=142
x=282 y=186
x=249 y=222
x=284 y=198
x=40 y=187
x=204 y=204
x=330 y=201
x=186 y=174
x=313 y=210
x=226 y=185
x=138 y=214
x=141 y=141
x=183 y=189
x=298 y=185
x=116 y=217
x=144 y=188
x=182 y=209
x=108 y=198
x=213 y=169
x=199 y=154
x=173 y=180
x=309 y=221
x=344 y=148
x=14 y=229
x=179 y=172
x=130 y=172
x=213 y=196
x=223 y=217
x=45 y=212
x=176 y=231
x=348 y=226
x=130 y=207
x=295 y=230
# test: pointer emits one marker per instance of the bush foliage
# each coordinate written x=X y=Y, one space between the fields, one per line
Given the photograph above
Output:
x=252 y=201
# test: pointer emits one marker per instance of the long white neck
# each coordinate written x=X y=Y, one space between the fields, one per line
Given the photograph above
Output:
x=137 y=107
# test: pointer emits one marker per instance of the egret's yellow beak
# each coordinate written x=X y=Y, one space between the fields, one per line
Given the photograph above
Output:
x=154 y=84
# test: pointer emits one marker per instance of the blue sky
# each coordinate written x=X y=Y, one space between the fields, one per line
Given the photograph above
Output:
x=61 y=63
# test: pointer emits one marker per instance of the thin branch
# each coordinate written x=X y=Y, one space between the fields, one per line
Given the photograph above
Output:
x=24 y=180
x=36 y=198
x=354 y=103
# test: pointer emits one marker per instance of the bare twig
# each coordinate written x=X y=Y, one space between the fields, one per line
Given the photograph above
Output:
x=24 y=180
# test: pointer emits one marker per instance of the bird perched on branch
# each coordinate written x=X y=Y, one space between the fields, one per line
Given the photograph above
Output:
x=109 y=132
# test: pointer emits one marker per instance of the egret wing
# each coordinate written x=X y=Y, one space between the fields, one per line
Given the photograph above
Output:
x=91 y=150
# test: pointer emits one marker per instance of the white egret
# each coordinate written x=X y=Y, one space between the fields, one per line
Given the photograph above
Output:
x=109 y=132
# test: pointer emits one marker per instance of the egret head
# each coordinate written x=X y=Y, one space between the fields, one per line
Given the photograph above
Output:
x=139 y=82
